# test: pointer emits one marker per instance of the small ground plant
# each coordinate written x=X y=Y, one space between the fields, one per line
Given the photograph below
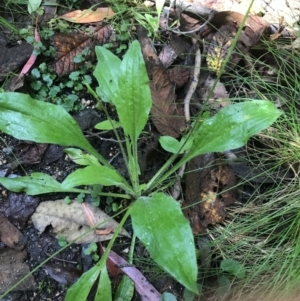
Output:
x=157 y=219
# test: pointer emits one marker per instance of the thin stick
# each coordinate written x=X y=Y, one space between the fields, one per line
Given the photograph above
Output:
x=177 y=187
x=194 y=82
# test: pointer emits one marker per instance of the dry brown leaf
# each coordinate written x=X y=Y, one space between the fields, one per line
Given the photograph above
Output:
x=166 y=115
x=13 y=58
x=88 y=15
x=10 y=235
x=179 y=76
x=209 y=189
x=68 y=45
x=13 y=269
x=70 y=221
x=253 y=28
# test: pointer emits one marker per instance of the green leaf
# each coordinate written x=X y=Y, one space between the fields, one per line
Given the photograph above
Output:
x=232 y=126
x=223 y=288
x=172 y=145
x=125 y=289
x=33 y=5
x=95 y=174
x=107 y=125
x=159 y=223
x=28 y=119
x=190 y=296
x=104 y=287
x=36 y=183
x=106 y=73
x=233 y=267
x=168 y=297
x=134 y=98
x=77 y=156
x=80 y=290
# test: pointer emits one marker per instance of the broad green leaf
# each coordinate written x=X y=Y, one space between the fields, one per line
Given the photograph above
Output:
x=233 y=267
x=125 y=289
x=94 y=174
x=104 y=287
x=80 y=158
x=80 y=290
x=107 y=125
x=172 y=145
x=36 y=183
x=106 y=73
x=134 y=98
x=232 y=126
x=33 y=5
x=159 y=223
x=28 y=119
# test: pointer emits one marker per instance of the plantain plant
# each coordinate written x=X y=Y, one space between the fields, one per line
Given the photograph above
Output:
x=157 y=219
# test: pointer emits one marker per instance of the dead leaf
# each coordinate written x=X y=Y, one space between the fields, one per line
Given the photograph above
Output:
x=178 y=47
x=70 y=221
x=68 y=45
x=253 y=28
x=88 y=15
x=10 y=235
x=91 y=221
x=179 y=76
x=18 y=208
x=13 y=58
x=65 y=275
x=166 y=115
x=209 y=189
x=13 y=269
x=27 y=154
x=167 y=56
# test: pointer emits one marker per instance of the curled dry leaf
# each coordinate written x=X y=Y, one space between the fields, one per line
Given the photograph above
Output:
x=10 y=235
x=65 y=275
x=166 y=115
x=209 y=189
x=253 y=29
x=88 y=15
x=70 y=221
x=68 y=45
x=218 y=47
x=179 y=76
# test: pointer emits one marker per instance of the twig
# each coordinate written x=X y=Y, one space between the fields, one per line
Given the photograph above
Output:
x=177 y=187
x=194 y=82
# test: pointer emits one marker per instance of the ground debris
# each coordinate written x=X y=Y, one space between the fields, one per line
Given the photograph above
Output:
x=70 y=221
x=209 y=189
x=13 y=269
